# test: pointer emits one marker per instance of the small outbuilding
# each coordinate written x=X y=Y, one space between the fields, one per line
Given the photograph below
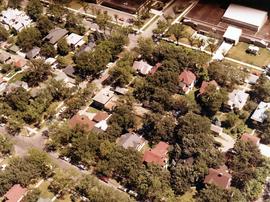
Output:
x=232 y=35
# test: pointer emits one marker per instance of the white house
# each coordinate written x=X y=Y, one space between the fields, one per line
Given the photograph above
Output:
x=75 y=40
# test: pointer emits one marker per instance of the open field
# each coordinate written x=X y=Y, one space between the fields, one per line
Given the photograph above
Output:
x=238 y=52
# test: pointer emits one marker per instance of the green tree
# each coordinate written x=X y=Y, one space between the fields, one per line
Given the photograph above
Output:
x=63 y=47
x=146 y=48
x=219 y=70
x=18 y=99
x=215 y=194
x=177 y=30
x=6 y=146
x=124 y=117
x=39 y=71
x=14 y=3
x=162 y=25
x=48 y=50
x=261 y=90
x=32 y=196
x=28 y=38
x=56 y=12
x=73 y=24
x=34 y=9
x=3 y=33
x=44 y=25
x=212 y=99
x=264 y=129
x=61 y=183
x=193 y=123
x=103 y=19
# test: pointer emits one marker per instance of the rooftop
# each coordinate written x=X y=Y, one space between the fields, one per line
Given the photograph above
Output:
x=233 y=33
x=187 y=77
x=103 y=96
x=237 y=99
x=219 y=177
x=157 y=155
x=259 y=114
x=250 y=138
x=81 y=121
x=74 y=39
x=55 y=35
x=131 y=140
x=245 y=14
x=15 y=193
x=205 y=84
x=142 y=66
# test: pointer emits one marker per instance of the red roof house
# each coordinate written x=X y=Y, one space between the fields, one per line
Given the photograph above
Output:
x=207 y=83
x=15 y=194
x=157 y=155
x=219 y=177
x=250 y=138
x=81 y=121
x=101 y=116
x=187 y=80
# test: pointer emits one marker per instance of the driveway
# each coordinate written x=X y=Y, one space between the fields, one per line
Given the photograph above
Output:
x=226 y=141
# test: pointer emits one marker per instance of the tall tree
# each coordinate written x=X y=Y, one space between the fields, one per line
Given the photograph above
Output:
x=34 y=9
x=3 y=33
x=28 y=38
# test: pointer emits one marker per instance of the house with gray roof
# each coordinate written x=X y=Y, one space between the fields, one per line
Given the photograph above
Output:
x=131 y=140
x=55 y=35
x=69 y=71
x=4 y=57
x=237 y=99
x=259 y=114
x=32 y=53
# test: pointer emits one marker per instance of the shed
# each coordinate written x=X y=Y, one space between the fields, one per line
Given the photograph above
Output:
x=232 y=35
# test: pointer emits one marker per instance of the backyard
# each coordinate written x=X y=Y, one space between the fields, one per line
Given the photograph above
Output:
x=238 y=52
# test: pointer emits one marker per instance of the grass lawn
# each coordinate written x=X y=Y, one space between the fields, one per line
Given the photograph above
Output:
x=188 y=196
x=238 y=52
x=17 y=77
x=45 y=193
x=92 y=110
x=75 y=4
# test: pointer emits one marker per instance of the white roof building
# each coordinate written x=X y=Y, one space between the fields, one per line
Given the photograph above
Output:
x=259 y=114
x=232 y=34
x=142 y=67
x=15 y=19
x=237 y=99
x=248 y=17
x=75 y=40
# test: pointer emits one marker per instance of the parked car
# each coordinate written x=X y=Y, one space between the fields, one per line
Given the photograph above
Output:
x=104 y=178
x=133 y=193
x=82 y=167
x=65 y=158
x=122 y=188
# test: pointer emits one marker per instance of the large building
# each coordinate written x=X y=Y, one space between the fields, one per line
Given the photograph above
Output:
x=243 y=16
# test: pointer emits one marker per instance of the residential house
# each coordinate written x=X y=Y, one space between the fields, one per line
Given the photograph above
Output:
x=13 y=49
x=237 y=99
x=55 y=35
x=86 y=47
x=250 y=138
x=12 y=86
x=131 y=140
x=102 y=97
x=15 y=19
x=101 y=120
x=217 y=130
x=75 y=40
x=252 y=79
x=81 y=121
x=4 y=57
x=142 y=67
x=259 y=114
x=158 y=155
x=187 y=81
x=34 y=52
x=15 y=194
x=219 y=177
x=69 y=71
x=120 y=91
x=205 y=84
x=155 y=68
x=20 y=63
